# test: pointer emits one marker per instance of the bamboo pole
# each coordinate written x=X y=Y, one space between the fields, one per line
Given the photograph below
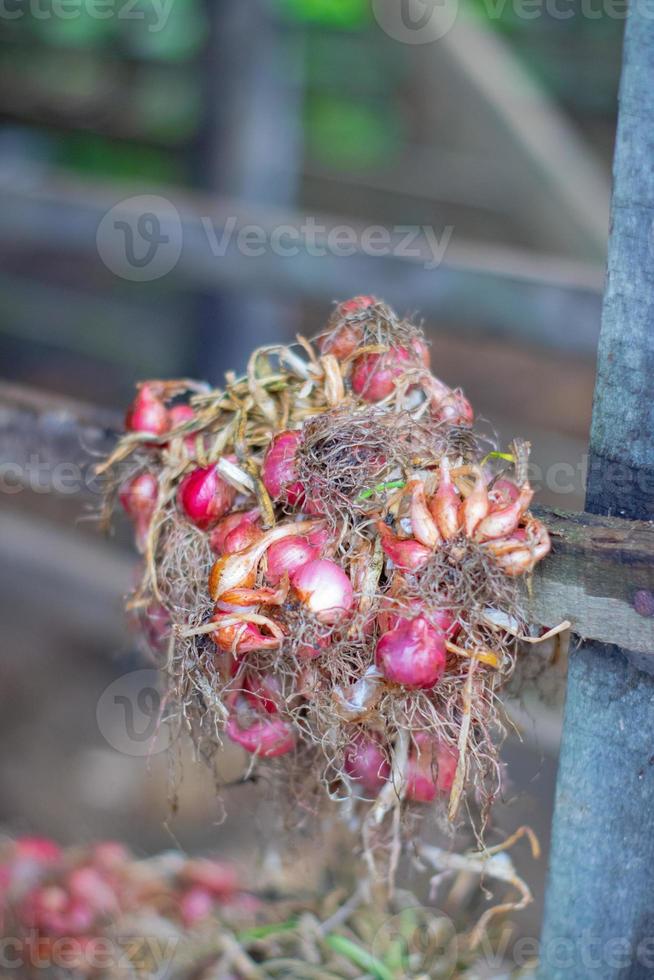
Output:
x=599 y=915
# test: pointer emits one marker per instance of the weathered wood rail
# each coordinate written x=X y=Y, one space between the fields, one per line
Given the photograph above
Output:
x=598 y=569
x=599 y=910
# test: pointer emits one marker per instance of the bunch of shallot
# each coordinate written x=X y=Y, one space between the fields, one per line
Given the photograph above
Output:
x=77 y=911
x=331 y=554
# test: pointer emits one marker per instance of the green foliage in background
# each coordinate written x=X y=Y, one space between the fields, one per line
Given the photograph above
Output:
x=343 y=14
x=351 y=135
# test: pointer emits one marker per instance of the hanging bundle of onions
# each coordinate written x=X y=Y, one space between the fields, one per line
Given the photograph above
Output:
x=336 y=550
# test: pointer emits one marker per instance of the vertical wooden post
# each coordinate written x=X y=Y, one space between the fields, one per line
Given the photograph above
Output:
x=599 y=915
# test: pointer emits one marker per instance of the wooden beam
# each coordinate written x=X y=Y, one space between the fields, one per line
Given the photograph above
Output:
x=49 y=444
x=599 y=917
x=598 y=569
x=476 y=289
x=598 y=577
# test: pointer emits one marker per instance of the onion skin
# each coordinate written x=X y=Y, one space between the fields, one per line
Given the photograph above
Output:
x=279 y=471
x=240 y=570
x=242 y=637
x=204 y=497
x=268 y=737
x=344 y=338
x=455 y=409
x=139 y=500
x=221 y=532
x=476 y=505
x=445 y=503
x=138 y=496
x=179 y=415
x=374 y=375
x=407 y=554
x=412 y=654
x=431 y=769
x=424 y=527
x=262 y=691
x=342 y=341
x=355 y=305
x=287 y=556
x=518 y=553
x=156 y=625
x=307 y=652
x=325 y=589
x=504 y=492
x=147 y=413
x=446 y=405
x=242 y=536
x=504 y=520
x=365 y=761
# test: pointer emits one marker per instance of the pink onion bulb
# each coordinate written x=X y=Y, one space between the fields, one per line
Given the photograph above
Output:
x=455 y=409
x=268 y=737
x=366 y=762
x=374 y=375
x=406 y=553
x=241 y=637
x=325 y=589
x=342 y=341
x=41 y=850
x=221 y=540
x=178 y=415
x=51 y=910
x=344 y=338
x=279 y=472
x=412 y=654
x=355 y=305
x=147 y=413
x=504 y=492
x=138 y=496
x=287 y=556
x=262 y=691
x=204 y=496
x=195 y=905
x=217 y=878
x=87 y=884
x=156 y=625
x=309 y=651
x=431 y=768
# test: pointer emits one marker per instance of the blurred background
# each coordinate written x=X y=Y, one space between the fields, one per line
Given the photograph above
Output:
x=175 y=178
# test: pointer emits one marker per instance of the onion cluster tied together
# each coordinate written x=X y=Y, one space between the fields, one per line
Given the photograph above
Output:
x=331 y=556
